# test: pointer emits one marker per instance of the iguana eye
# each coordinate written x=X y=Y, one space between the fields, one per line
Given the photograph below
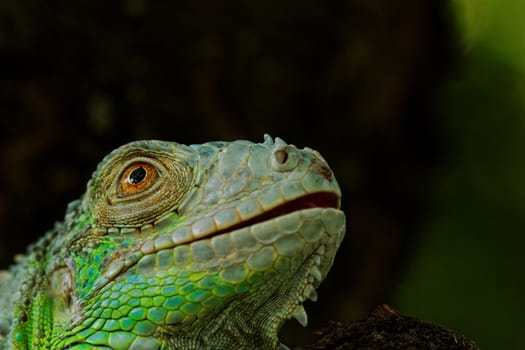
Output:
x=139 y=182
x=137 y=178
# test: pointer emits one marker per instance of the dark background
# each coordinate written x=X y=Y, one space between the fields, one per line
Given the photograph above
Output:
x=420 y=141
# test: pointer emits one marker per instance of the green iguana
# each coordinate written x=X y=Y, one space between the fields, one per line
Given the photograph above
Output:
x=208 y=246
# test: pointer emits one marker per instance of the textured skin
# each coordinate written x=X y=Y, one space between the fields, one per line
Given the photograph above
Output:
x=208 y=246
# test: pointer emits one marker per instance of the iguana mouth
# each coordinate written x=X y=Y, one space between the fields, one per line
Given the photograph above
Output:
x=182 y=236
x=313 y=200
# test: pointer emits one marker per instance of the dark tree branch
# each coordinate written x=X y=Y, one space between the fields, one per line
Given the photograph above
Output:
x=386 y=329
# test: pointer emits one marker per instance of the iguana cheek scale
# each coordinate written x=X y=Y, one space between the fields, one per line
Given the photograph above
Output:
x=208 y=246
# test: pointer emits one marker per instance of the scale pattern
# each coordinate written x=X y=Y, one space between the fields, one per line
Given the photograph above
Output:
x=208 y=246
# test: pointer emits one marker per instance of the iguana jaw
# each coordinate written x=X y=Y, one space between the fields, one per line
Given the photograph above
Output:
x=291 y=277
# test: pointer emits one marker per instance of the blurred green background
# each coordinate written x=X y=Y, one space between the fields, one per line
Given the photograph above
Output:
x=468 y=268
x=417 y=105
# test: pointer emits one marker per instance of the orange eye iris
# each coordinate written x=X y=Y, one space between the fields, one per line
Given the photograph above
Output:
x=137 y=178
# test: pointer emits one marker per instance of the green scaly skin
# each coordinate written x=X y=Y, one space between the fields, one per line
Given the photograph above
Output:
x=215 y=246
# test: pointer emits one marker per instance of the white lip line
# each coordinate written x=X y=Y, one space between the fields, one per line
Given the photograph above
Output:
x=225 y=231
x=192 y=232
x=245 y=223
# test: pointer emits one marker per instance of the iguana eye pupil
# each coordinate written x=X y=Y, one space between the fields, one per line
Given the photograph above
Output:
x=136 y=178
x=137 y=175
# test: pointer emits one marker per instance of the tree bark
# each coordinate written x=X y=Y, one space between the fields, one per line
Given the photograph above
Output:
x=386 y=329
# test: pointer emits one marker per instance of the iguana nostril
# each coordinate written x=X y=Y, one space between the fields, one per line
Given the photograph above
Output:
x=284 y=158
x=281 y=156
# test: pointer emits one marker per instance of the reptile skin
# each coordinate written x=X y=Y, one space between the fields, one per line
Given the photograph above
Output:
x=210 y=246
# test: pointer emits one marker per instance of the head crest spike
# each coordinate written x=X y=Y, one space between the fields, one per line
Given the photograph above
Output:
x=268 y=139
x=280 y=141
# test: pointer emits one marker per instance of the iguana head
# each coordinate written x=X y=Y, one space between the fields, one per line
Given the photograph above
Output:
x=184 y=247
